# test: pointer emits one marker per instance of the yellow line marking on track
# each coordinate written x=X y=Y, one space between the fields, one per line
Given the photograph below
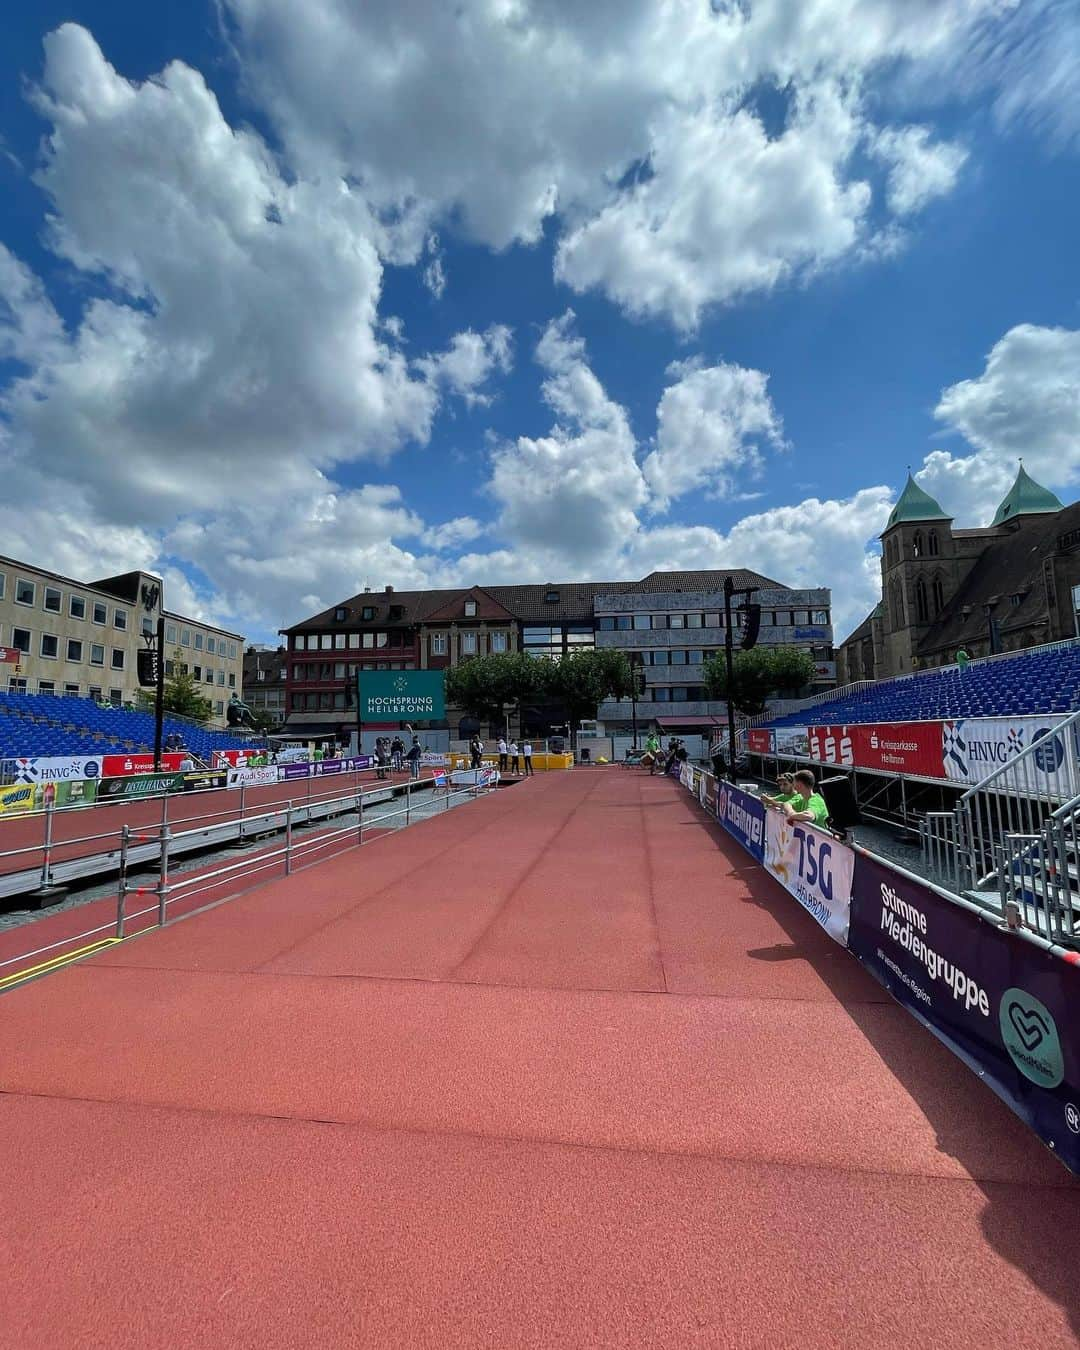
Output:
x=46 y=967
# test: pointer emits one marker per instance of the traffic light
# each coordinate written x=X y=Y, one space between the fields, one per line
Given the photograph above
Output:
x=751 y=625
x=146 y=662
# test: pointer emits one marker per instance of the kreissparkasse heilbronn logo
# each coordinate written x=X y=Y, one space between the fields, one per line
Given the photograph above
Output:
x=1031 y=1037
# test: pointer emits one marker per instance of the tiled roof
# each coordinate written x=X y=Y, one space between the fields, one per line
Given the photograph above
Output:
x=527 y=602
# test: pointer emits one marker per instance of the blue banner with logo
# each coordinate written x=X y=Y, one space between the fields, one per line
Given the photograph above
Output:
x=1007 y=1007
x=743 y=816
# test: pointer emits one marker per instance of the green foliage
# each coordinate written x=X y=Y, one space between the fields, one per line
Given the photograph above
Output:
x=182 y=695
x=759 y=673
x=484 y=685
x=583 y=679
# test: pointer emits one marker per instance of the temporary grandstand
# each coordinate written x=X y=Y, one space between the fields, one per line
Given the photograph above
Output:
x=44 y=725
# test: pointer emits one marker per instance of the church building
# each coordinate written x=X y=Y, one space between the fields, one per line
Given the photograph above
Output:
x=1012 y=584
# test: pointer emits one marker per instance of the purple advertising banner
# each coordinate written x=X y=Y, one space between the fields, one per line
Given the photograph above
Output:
x=295 y=771
x=1006 y=1006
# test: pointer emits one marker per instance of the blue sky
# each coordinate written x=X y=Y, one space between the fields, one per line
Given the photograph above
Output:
x=298 y=299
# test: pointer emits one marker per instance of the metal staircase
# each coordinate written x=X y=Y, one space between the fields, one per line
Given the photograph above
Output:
x=1011 y=843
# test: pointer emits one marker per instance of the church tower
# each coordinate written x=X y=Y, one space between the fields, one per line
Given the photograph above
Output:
x=1025 y=498
x=917 y=575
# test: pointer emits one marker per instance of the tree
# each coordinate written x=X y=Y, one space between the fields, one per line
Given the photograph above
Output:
x=484 y=685
x=583 y=679
x=759 y=673
x=182 y=695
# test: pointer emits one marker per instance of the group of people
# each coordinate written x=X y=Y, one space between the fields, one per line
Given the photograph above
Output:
x=659 y=760
x=391 y=756
x=514 y=758
x=797 y=796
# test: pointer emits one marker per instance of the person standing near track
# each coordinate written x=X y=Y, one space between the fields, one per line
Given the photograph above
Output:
x=514 y=757
x=476 y=750
x=652 y=750
x=413 y=756
x=397 y=750
x=526 y=755
x=502 y=754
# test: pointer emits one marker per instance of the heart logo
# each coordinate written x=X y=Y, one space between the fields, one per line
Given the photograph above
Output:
x=1028 y=1025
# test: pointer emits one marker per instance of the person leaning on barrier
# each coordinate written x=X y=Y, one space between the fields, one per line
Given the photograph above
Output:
x=806 y=803
x=785 y=785
x=719 y=763
x=652 y=752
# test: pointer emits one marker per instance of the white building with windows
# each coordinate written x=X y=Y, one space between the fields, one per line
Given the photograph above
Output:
x=61 y=636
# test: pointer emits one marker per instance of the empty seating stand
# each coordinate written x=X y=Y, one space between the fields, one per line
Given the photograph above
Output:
x=48 y=725
x=1043 y=680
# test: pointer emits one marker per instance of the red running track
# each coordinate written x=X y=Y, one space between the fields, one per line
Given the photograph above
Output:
x=560 y=1068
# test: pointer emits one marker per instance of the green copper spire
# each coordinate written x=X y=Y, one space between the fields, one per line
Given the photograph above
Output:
x=915 y=504
x=1025 y=498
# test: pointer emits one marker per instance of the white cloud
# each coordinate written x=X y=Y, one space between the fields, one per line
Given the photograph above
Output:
x=1025 y=404
x=469 y=362
x=633 y=122
x=920 y=169
x=230 y=361
x=453 y=533
x=709 y=423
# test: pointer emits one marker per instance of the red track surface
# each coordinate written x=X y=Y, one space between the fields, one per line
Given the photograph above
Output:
x=559 y=1068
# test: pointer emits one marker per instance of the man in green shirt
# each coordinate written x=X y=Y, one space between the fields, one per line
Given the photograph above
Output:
x=806 y=804
x=652 y=749
x=784 y=793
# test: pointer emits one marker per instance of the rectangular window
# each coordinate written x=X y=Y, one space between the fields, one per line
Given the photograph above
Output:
x=498 y=642
x=661 y=694
x=185 y=637
x=17 y=685
x=220 y=676
x=197 y=673
x=232 y=651
x=49 y=646
x=678 y=658
x=117 y=659
x=606 y=624
x=642 y=621
x=101 y=612
x=116 y=697
x=220 y=706
x=354 y=639
x=208 y=675
x=20 y=639
x=714 y=620
x=97 y=654
x=339 y=642
x=367 y=613
x=678 y=693
x=170 y=634
x=326 y=642
x=693 y=620
x=694 y=656
x=24 y=592
x=120 y=618
x=369 y=641
x=299 y=643
x=821 y=617
x=339 y=670
x=470 y=609
x=325 y=702
x=71 y=691
x=46 y=687
x=660 y=621
x=468 y=644
x=438 y=644
x=660 y=658
x=52 y=600
x=198 y=642
x=170 y=668
x=211 y=644
x=148 y=626
x=232 y=679
x=74 y=650
x=676 y=620
x=1 y=585
x=340 y=614
x=77 y=607
x=95 y=692
x=339 y=700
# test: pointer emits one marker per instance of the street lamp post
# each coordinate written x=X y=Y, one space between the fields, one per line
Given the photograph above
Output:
x=635 y=670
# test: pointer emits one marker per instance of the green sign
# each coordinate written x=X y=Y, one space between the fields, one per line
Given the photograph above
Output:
x=1031 y=1037
x=400 y=695
x=141 y=785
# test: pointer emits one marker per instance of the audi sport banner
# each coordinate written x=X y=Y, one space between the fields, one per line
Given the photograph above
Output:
x=1004 y=1005
x=973 y=747
x=759 y=740
x=815 y=867
x=897 y=747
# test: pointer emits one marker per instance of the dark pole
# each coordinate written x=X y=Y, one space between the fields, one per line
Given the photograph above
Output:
x=729 y=587
x=633 y=694
x=159 y=692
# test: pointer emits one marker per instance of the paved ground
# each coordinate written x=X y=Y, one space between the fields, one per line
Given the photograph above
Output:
x=559 y=1068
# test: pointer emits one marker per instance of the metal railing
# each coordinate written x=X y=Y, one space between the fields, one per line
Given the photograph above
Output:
x=284 y=818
